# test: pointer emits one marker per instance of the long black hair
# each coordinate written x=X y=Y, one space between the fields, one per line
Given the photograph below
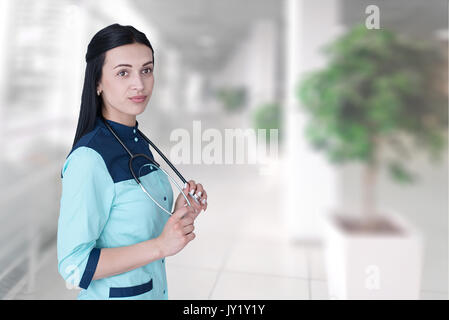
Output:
x=107 y=38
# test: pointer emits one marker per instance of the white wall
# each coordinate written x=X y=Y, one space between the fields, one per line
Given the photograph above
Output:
x=253 y=64
x=310 y=181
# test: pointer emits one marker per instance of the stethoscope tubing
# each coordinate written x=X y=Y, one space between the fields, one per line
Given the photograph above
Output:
x=133 y=156
x=163 y=157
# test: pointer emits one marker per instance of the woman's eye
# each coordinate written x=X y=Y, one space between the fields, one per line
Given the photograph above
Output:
x=145 y=71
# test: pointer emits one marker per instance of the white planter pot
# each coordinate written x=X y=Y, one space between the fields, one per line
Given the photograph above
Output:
x=370 y=266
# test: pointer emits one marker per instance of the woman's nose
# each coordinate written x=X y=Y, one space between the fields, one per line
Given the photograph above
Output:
x=137 y=83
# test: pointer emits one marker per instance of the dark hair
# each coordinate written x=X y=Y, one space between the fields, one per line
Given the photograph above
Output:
x=107 y=38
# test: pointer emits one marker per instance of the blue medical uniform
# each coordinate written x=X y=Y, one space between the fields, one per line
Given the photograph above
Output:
x=102 y=206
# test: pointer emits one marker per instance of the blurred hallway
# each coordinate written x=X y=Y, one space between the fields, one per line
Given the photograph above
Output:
x=218 y=63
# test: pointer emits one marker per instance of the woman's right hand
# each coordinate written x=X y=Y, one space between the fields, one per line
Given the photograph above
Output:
x=178 y=231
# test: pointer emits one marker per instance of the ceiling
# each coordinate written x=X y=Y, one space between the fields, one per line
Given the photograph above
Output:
x=207 y=31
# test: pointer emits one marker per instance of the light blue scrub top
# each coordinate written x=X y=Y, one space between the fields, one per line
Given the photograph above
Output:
x=102 y=206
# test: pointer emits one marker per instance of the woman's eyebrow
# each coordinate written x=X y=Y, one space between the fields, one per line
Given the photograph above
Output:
x=128 y=65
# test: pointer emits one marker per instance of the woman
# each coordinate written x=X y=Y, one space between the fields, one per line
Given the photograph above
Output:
x=112 y=239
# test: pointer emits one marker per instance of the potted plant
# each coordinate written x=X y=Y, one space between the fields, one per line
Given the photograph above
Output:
x=232 y=98
x=268 y=116
x=378 y=92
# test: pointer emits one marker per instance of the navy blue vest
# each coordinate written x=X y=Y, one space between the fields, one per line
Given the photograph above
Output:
x=114 y=155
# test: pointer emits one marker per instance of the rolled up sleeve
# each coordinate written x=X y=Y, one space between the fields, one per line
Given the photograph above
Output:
x=86 y=200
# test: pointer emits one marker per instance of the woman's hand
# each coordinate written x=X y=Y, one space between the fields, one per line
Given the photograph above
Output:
x=192 y=189
x=178 y=231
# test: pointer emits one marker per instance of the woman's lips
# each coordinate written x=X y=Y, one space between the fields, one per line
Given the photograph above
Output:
x=138 y=99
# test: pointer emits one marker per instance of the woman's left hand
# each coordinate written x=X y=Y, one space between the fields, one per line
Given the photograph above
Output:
x=192 y=190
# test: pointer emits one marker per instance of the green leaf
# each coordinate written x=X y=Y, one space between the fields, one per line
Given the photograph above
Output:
x=400 y=174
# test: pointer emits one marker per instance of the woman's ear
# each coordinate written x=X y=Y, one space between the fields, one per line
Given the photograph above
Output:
x=99 y=89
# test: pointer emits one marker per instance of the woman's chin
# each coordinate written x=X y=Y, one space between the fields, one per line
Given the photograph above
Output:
x=136 y=110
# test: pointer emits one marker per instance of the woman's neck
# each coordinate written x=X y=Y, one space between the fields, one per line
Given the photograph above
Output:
x=126 y=119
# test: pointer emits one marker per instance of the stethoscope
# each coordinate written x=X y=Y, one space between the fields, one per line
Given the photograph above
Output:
x=152 y=162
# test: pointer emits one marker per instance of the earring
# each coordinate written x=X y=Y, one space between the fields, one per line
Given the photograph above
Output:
x=98 y=92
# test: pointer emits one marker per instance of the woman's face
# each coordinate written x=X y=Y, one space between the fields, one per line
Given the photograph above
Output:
x=127 y=72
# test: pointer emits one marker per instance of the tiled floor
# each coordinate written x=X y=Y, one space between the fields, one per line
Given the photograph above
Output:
x=248 y=269
x=208 y=269
x=240 y=252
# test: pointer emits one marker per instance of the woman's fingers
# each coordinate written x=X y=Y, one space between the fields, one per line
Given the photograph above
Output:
x=197 y=193
x=203 y=199
x=188 y=229
x=189 y=188
x=195 y=189
x=187 y=220
x=192 y=187
x=203 y=195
